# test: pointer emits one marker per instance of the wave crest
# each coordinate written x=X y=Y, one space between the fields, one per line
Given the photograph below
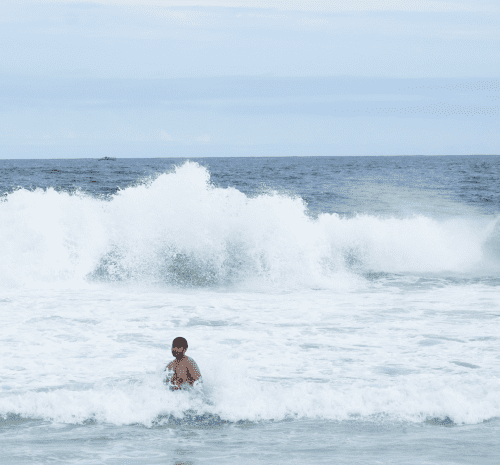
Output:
x=179 y=229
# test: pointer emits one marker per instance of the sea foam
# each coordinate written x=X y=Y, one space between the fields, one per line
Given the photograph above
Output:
x=243 y=399
x=179 y=229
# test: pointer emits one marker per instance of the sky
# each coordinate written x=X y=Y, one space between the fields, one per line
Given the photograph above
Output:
x=191 y=78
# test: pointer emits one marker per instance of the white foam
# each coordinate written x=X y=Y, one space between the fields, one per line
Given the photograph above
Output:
x=178 y=229
x=145 y=402
x=76 y=354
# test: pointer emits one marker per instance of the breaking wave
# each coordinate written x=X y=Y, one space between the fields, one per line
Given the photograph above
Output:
x=179 y=229
x=149 y=403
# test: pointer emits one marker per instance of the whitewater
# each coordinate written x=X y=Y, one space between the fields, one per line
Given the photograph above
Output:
x=341 y=310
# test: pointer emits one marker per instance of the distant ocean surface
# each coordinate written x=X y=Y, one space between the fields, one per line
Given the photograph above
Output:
x=342 y=310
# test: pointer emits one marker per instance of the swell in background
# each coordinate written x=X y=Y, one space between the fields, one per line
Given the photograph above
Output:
x=179 y=229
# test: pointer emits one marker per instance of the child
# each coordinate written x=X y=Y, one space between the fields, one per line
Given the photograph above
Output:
x=184 y=368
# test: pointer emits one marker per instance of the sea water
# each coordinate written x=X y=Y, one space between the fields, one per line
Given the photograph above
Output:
x=341 y=310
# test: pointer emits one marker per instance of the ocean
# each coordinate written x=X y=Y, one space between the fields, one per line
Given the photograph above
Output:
x=342 y=310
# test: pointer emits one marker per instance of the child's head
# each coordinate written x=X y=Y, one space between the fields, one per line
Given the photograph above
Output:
x=179 y=347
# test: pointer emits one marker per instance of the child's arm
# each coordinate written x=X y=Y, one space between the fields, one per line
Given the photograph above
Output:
x=193 y=371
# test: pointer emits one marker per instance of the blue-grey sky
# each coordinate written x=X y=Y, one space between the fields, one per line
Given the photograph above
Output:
x=254 y=78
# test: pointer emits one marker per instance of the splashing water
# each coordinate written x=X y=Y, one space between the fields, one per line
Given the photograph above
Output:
x=178 y=229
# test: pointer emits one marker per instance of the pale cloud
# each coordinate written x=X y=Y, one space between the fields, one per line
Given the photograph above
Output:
x=180 y=38
x=203 y=138
x=165 y=136
x=323 y=6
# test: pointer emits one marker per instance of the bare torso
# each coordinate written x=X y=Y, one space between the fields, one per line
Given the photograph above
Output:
x=184 y=371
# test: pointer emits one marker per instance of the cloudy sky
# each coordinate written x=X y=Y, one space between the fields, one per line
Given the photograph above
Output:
x=152 y=78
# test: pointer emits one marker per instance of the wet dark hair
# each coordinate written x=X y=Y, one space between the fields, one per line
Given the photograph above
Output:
x=180 y=342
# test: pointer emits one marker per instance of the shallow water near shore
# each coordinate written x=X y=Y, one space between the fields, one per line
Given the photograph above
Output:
x=340 y=310
x=301 y=441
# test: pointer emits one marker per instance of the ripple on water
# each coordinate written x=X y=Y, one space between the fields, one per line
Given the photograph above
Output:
x=192 y=420
x=429 y=342
x=200 y=322
x=447 y=421
x=394 y=370
x=464 y=364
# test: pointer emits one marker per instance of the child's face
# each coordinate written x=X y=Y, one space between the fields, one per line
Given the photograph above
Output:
x=178 y=352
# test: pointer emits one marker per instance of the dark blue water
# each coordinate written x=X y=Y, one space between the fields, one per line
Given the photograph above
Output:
x=326 y=184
